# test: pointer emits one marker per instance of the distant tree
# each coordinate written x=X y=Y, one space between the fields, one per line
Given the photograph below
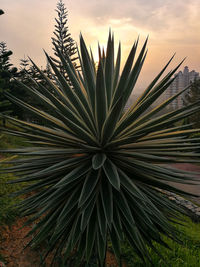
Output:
x=48 y=70
x=4 y=75
x=24 y=69
x=190 y=97
x=7 y=72
x=29 y=73
x=62 y=38
x=9 y=76
x=5 y=56
x=29 y=76
x=8 y=83
x=24 y=63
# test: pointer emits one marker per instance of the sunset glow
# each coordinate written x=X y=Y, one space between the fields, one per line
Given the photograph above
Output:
x=172 y=26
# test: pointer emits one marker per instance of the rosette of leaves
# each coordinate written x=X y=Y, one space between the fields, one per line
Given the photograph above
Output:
x=99 y=174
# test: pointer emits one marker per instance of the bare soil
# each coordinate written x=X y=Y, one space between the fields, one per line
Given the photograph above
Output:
x=13 y=240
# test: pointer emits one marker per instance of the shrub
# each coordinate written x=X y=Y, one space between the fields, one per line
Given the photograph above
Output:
x=99 y=173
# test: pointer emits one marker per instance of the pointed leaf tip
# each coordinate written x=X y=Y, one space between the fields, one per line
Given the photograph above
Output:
x=98 y=160
x=112 y=174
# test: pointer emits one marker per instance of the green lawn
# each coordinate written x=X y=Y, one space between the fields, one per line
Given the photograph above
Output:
x=185 y=255
x=7 y=210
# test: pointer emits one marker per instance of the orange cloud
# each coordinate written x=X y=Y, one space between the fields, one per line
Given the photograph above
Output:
x=173 y=26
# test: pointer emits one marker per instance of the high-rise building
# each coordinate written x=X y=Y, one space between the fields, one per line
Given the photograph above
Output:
x=183 y=79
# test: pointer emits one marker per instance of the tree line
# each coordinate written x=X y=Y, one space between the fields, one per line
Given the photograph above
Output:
x=12 y=78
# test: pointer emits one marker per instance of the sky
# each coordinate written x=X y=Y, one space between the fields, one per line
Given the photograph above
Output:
x=173 y=26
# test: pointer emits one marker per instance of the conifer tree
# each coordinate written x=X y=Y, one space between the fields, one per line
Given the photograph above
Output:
x=6 y=74
x=4 y=55
x=29 y=76
x=24 y=69
x=24 y=63
x=62 y=38
x=48 y=71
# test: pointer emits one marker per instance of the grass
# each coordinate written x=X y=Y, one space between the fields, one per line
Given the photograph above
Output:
x=8 y=211
x=8 y=141
x=185 y=255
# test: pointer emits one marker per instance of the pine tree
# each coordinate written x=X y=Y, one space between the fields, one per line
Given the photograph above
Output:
x=24 y=69
x=63 y=38
x=7 y=72
x=5 y=56
x=24 y=63
x=48 y=71
x=28 y=75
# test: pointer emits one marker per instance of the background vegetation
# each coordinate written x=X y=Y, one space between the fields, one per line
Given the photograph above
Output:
x=8 y=209
x=186 y=254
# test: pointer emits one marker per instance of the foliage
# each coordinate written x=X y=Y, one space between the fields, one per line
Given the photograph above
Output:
x=25 y=71
x=8 y=141
x=28 y=75
x=8 y=209
x=180 y=255
x=62 y=38
x=7 y=83
x=192 y=96
x=6 y=73
x=97 y=172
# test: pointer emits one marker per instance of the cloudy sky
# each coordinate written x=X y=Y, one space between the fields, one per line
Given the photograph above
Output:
x=172 y=25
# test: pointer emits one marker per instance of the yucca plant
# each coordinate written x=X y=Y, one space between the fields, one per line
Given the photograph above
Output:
x=99 y=174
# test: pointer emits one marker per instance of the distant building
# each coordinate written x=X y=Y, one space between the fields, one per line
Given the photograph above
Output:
x=182 y=80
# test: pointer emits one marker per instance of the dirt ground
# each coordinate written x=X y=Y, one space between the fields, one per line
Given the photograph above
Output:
x=13 y=241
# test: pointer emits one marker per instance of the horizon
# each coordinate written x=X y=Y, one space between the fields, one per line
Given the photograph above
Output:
x=171 y=27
